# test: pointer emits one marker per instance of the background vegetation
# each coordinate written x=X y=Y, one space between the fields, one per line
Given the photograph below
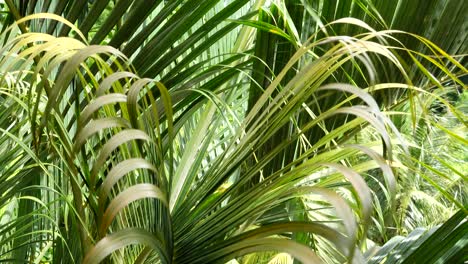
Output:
x=240 y=131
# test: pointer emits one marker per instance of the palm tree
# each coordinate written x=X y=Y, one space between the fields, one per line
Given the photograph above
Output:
x=194 y=131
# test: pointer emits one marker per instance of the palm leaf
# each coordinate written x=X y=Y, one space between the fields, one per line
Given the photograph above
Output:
x=228 y=147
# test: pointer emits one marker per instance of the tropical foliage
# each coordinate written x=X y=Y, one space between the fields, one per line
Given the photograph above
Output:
x=239 y=131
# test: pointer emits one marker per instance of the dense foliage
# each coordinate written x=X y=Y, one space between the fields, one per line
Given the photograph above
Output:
x=239 y=131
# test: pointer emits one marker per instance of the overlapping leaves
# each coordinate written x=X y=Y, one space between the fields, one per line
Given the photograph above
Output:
x=143 y=173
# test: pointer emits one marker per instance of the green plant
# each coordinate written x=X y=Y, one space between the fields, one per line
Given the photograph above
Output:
x=228 y=146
